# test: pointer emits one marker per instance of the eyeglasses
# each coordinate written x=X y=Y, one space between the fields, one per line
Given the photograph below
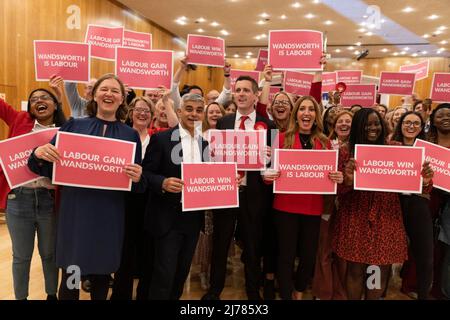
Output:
x=141 y=110
x=415 y=124
x=43 y=98
x=281 y=103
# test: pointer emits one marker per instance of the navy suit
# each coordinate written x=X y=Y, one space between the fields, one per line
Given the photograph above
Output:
x=175 y=233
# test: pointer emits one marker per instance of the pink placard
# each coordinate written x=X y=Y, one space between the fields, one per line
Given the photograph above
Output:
x=397 y=83
x=362 y=94
x=440 y=88
x=349 y=76
x=298 y=83
x=246 y=148
x=92 y=162
x=273 y=91
x=209 y=186
x=305 y=171
x=70 y=60
x=138 y=40
x=14 y=154
x=144 y=69
x=234 y=74
x=439 y=158
x=206 y=51
x=329 y=80
x=104 y=40
x=420 y=69
x=295 y=49
x=262 y=59
x=388 y=168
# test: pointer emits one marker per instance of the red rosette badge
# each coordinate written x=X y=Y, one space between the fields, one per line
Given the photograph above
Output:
x=260 y=125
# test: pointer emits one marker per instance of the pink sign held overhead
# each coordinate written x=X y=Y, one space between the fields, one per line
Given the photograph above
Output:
x=420 y=69
x=70 y=60
x=92 y=162
x=235 y=74
x=305 y=171
x=209 y=186
x=205 y=51
x=440 y=88
x=439 y=159
x=262 y=59
x=362 y=94
x=349 y=76
x=245 y=147
x=397 y=83
x=329 y=80
x=14 y=154
x=388 y=168
x=144 y=69
x=138 y=40
x=104 y=40
x=298 y=83
x=295 y=50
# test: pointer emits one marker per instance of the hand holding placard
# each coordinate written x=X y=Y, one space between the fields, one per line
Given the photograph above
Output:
x=336 y=176
x=133 y=171
x=173 y=185
x=47 y=152
x=427 y=173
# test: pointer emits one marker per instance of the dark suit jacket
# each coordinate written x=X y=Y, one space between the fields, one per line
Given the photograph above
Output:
x=258 y=192
x=163 y=160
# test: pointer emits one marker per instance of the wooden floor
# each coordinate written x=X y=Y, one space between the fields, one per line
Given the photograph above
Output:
x=234 y=287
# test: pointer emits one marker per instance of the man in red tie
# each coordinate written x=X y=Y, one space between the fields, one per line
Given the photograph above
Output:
x=253 y=201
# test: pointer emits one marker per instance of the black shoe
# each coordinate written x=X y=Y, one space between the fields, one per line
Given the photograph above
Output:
x=210 y=296
x=269 y=289
x=52 y=297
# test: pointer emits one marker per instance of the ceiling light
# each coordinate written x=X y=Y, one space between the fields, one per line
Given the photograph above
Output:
x=424 y=52
x=261 y=22
x=382 y=21
x=236 y=56
x=263 y=36
x=403 y=52
x=200 y=30
x=296 y=5
x=406 y=49
x=283 y=17
x=384 y=50
x=264 y=15
x=414 y=54
x=316 y=1
x=362 y=30
x=247 y=57
x=395 y=53
x=442 y=49
x=433 y=17
x=224 y=32
x=362 y=24
x=408 y=9
x=426 y=36
x=258 y=37
x=357 y=52
x=181 y=21
x=443 y=42
x=350 y=48
x=369 y=34
x=358 y=44
x=309 y=16
x=371 y=26
x=365 y=16
x=249 y=53
x=214 y=24
x=200 y=20
x=337 y=50
x=438 y=32
x=442 y=28
x=328 y=22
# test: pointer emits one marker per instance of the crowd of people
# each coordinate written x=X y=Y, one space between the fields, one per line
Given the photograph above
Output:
x=289 y=243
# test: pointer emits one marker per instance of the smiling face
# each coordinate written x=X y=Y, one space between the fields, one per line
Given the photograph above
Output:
x=42 y=106
x=343 y=125
x=190 y=113
x=213 y=115
x=397 y=115
x=442 y=120
x=373 y=128
x=411 y=126
x=230 y=109
x=306 y=116
x=141 y=115
x=382 y=111
x=281 y=108
x=245 y=98
x=109 y=97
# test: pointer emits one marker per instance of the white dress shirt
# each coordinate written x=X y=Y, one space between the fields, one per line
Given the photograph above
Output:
x=190 y=146
x=249 y=125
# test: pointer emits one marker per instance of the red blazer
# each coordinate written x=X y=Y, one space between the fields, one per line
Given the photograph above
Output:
x=19 y=122
x=307 y=204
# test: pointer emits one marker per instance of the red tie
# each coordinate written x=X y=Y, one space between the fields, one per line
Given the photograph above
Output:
x=242 y=127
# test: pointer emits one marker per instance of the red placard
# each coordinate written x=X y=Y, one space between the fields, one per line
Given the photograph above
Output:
x=439 y=158
x=209 y=186
x=440 y=88
x=92 y=162
x=305 y=171
x=70 y=60
x=420 y=69
x=349 y=76
x=234 y=74
x=295 y=49
x=138 y=40
x=245 y=147
x=144 y=69
x=262 y=59
x=329 y=80
x=362 y=94
x=388 y=168
x=298 y=83
x=14 y=154
x=206 y=51
x=397 y=83
x=104 y=40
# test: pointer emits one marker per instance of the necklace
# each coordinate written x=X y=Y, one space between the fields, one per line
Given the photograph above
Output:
x=304 y=140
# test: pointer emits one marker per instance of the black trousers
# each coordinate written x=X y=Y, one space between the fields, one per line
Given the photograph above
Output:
x=99 y=287
x=251 y=233
x=296 y=231
x=173 y=257
x=419 y=228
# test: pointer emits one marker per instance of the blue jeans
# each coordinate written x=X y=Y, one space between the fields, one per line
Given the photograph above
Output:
x=30 y=211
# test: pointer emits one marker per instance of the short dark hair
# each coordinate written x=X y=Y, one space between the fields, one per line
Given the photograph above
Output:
x=358 y=133
x=58 y=116
x=194 y=87
x=255 y=87
x=398 y=134
x=416 y=104
x=432 y=132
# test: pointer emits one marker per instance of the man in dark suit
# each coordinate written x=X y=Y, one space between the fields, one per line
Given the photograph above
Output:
x=253 y=203
x=175 y=233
